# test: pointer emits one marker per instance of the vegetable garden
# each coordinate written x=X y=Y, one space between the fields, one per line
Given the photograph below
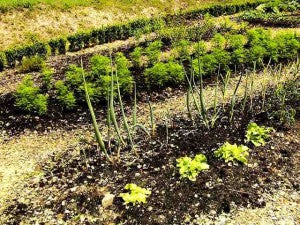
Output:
x=198 y=116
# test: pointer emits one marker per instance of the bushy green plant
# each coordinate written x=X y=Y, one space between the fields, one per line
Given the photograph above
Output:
x=29 y=98
x=32 y=64
x=124 y=74
x=236 y=41
x=74 y=77
x=153 y=51
x=47 y=78
x=190 y=168
x=135 y=195
x=64 y=95
x=288 y=46
x=136 y=56
x=162 y=74
x=233 y=152
x=182 y=47
x=219 y=41
x=257 y=134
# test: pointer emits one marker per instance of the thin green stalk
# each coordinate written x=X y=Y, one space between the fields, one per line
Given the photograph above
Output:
x=124 y=115
x=215 y=115
x=134 y=117
x=152 y=120
x=245 y=93
x=233 y=99
x=92 y=113
x=108 y=120
x=112 y=108
x=203 y=109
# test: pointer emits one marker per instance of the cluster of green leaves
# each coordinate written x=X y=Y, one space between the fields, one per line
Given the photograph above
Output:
x=29 y=97
x=32 y=64
x=143 y=57
x=257 y=134
x=190 y=168
x=162 y=74
x=233 y=152
x=135 y=195
x=2 y=61
x=98 y=80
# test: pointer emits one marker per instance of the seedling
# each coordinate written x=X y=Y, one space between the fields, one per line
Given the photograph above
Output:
x=257 y=134
x=233 y=152
x=135 y=195
x=190 y=168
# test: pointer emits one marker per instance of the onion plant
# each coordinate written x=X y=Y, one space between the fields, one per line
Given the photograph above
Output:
x=94 y=121
x=127 y=128
x=233 y=99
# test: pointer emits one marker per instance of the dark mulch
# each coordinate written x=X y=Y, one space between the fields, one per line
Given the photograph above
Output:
x=218 y=189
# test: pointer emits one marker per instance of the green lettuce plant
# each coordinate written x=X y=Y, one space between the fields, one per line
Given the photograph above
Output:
x=190 y=168
x=135 y=195
x=257 y=134
x=233 y=152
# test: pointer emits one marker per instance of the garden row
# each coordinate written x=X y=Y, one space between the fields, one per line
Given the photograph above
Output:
x=107 y=34
x=145 y=67
x=275 y=13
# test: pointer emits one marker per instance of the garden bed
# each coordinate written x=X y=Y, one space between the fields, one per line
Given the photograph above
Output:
x=75 y=186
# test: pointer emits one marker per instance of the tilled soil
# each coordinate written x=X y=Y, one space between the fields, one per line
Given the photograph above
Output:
x=75 y=186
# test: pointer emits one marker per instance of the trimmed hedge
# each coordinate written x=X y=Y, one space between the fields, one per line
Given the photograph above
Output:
x=120 y=31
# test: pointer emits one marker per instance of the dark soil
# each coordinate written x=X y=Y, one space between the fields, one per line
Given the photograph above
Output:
x=71 y=186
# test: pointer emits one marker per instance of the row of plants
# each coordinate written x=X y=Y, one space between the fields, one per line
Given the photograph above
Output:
x=274 y=13
x=114 y=32
x=228 y=52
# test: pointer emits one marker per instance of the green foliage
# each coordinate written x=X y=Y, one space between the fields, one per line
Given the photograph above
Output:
x=288 y=46
x=183 y=48
x=136 y=56
x=29 y=98
x=257 y=134
x=47 y=78
x=135 y=195
x=219 y=41
x=236 y=41
x=124 y=75
x=58 y=46
x=32 y=64
x=74 y=77
x=190 y=168
x=100 y=66
x=162 y=74
x=233 y=152
x=153 y=51
x=64 y=95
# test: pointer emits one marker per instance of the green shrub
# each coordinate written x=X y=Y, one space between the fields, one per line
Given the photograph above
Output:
x=47 y=78
x=239 y=56
x=190 y=168
x=182 y=47
x=136 y=56
x=153 y=51
x=74 y=77
x=135 y=195
x=28 y=97
x=2 y=61
x=219 y=41
x=32 y=64
x=58 y=45
x=162 y=74
x=257 y=134
x=208 y=65
x=100 y=66
x=257 y=54
x=236 y=41
x=233 y=152
x=64 y=95
x=124 y=74
x=288 y=46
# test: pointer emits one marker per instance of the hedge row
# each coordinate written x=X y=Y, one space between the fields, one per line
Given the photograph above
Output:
x=116 y=32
